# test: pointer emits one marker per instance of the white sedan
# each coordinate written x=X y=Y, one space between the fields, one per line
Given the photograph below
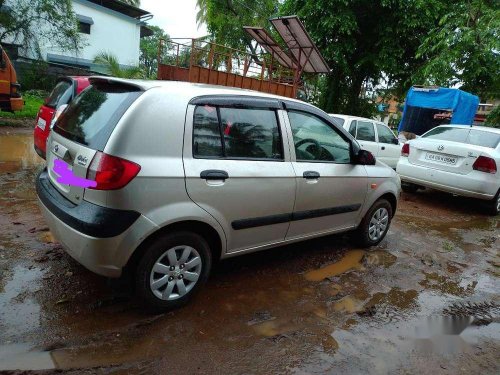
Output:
x=457 y=159
x=373 y=136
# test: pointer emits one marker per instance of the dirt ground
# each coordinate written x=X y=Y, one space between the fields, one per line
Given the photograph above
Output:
x=426 y=300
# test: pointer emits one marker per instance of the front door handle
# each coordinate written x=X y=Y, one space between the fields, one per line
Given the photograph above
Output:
x=311 y=175
x=214 y=174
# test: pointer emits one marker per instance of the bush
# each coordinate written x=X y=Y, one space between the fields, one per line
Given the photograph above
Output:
x=35 y=76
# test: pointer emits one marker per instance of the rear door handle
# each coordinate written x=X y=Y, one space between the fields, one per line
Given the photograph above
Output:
x=383 y=147
x=214 y=174
x=311 y=175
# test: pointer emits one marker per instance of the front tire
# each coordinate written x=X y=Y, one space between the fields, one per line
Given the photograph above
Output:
x=173 y=268
x=375 y=224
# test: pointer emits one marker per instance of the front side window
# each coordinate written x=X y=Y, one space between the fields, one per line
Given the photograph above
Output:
x=315 y=140
x=385 y=135
x=365 y=131
x=235 y=133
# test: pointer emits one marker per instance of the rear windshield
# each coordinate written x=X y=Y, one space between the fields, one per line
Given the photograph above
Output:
x=465 y=135
x=448 y=133
x=61 y=94
x=92 y=116
x=482 y=138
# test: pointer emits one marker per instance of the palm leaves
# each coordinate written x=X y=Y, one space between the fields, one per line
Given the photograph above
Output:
x=110 y=62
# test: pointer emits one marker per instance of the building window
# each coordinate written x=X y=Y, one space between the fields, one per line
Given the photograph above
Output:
x=83 y=27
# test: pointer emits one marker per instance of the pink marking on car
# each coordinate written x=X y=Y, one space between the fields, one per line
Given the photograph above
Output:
x=67 y=177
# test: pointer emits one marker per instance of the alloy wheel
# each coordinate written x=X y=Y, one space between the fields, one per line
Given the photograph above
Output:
x=378 y=224
x=175 y=273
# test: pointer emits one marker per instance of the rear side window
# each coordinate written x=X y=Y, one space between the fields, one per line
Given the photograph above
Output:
x=482 y=138
x=352 y=129
x=236 y=133
x=448 y=133
x=61 y=94
x=365 y=132
x=92 y=116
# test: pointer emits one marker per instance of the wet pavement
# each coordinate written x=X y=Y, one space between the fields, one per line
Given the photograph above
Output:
x=425 y=300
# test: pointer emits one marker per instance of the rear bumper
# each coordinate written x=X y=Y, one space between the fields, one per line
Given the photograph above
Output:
x=476 y=184
x=100 y=238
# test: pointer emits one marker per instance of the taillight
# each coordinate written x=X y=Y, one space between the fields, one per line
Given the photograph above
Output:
x=111 y=172
x=485 y=164
x=405 y=150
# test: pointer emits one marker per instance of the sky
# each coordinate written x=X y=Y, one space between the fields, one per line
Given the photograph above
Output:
x=176 y=17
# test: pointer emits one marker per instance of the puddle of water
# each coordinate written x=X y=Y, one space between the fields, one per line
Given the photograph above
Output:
x=21 y=357
x=351 y=260
x=18 y=149
x=20 y=313
x=445 y=285
x=274 y=327
x=348 y=304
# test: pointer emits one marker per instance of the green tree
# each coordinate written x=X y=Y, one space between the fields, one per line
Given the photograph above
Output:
x=464 y=48
x=110 y=62
x=225 y=19
x=31 y=22
x=365 y=42
x=148 y=59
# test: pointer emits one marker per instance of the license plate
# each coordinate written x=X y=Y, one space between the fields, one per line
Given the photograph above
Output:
x=444 y=159
x=41 y=123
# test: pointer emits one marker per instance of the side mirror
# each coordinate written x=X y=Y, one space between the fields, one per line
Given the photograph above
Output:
x=365 y=158
x=58 y=113
x=395 y=141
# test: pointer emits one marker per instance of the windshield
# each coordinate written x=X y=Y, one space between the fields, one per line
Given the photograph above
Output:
x=92 y=116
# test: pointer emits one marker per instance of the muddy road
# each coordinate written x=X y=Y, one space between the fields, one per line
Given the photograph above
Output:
x=425 y=300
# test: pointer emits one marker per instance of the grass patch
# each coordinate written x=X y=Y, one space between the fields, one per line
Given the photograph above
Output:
x=32 y=103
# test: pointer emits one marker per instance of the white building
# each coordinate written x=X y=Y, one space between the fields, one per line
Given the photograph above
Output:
x=105 y=26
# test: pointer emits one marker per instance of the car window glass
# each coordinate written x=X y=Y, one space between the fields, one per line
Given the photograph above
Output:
x=448 y=133
x=482 y=138
x=93 y=115
x=385 y=135
x=340 y=121
x=61 y=94
x=365 y=131
x=206 y=133
x=352 y=128
x=250 y=133
x=314 y=139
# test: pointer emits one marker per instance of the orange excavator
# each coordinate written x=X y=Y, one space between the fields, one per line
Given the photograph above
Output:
x=10 y=96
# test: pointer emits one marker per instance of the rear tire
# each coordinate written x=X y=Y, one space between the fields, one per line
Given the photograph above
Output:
x=409 y=187
x=493 y=206
x=173 y=268
x=374 y=225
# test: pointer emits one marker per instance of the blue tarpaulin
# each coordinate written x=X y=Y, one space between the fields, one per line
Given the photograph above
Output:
x=463 y=106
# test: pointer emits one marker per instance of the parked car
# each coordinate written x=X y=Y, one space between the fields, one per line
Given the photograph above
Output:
x=461 y=160
x=373 y=136
x=65 y=90
x=164 y=178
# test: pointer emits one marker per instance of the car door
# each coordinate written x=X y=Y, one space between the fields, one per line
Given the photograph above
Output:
x=238 y=168
x=365 y=134
x=330 y=188
x=389 y=148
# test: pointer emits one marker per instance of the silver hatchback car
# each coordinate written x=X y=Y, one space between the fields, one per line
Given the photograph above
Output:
x=162 y=179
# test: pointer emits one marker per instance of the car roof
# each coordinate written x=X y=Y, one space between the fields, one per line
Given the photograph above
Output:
x=482 y=128
x=194 y=89
x=349 y=117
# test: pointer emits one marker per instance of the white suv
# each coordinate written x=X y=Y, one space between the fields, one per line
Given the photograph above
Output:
x=164 y=178
x=373 y=136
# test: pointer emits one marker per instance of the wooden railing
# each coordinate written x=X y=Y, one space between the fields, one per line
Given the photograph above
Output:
x=199 y=61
